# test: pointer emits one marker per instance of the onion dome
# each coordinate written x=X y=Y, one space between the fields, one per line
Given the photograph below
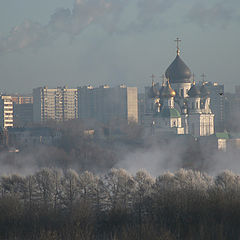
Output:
x=178 y=71
x=194 y=91
x=204 y=91
x=153 y=92
x=168 y=92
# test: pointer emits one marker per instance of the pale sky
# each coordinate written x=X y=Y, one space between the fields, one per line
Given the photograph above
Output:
x=82 y=42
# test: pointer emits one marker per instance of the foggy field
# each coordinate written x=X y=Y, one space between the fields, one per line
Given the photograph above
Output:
x=187 y=204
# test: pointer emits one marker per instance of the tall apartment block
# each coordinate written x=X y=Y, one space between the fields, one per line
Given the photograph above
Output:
x=106 y=104
x=59 y=104
x=232 y=110
x=141 y=107
x=22 y=99
x=217 y=104
x=6 y=111
x=22 y=110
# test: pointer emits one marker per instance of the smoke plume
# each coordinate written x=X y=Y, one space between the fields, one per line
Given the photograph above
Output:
x=108 y=14
x=219 y=14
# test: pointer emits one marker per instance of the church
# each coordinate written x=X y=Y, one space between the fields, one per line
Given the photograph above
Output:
x=179 y=106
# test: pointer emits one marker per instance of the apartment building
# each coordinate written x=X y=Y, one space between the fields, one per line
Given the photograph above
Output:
x=6 y=111
x=59 y=104
x=105 y=104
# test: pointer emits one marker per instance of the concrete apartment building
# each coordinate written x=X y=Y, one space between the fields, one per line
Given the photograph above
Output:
x=106 y=104
x=22 y=110
x=6 y=111
x=22 y=114
x=59 y=104
x=232 y=110
x=22 y=99
x=217 y=104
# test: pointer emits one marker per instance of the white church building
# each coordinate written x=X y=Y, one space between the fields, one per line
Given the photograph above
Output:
x=179 y=105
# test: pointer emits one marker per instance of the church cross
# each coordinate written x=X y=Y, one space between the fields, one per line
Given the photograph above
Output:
x=203 y=77
x=152 y=76
x=163 y=79
x=178 y=40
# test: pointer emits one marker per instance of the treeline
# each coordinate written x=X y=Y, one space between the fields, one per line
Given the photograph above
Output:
x=52 y=204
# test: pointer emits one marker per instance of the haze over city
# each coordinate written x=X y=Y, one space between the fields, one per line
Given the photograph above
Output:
x=119 y=120
x=82 y=42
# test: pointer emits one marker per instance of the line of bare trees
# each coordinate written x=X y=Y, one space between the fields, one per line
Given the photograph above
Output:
x=52 y=204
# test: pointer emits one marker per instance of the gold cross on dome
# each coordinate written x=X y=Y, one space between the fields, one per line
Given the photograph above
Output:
x=152 y=76
x=163 y=79
x=178 y=40
x=203 y=77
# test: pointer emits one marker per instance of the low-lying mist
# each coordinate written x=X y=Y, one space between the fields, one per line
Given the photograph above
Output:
x=124 y=146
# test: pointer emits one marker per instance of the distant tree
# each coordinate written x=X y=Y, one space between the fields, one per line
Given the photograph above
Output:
x=11 y=217
x=57 y=178
x=118 y=186
x=70 y=184
x=228 y=181
x=14 y=185
x=89 y=188
x=32 y=196
x=45 y=187
x=144 y=190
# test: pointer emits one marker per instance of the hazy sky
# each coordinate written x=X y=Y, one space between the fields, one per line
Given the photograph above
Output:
x=81 y=42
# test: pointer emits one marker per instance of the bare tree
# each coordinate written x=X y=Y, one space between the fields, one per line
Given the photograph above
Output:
x=70 y=184
x=45 y=186
x=118 y=186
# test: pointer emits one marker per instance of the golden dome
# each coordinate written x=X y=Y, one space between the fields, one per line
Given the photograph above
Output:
x=168 y=91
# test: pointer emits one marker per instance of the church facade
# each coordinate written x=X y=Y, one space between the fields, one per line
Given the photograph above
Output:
x=179 y=106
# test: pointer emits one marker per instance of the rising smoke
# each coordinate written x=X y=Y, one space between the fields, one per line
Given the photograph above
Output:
x=120 y=17
x=220 y=14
